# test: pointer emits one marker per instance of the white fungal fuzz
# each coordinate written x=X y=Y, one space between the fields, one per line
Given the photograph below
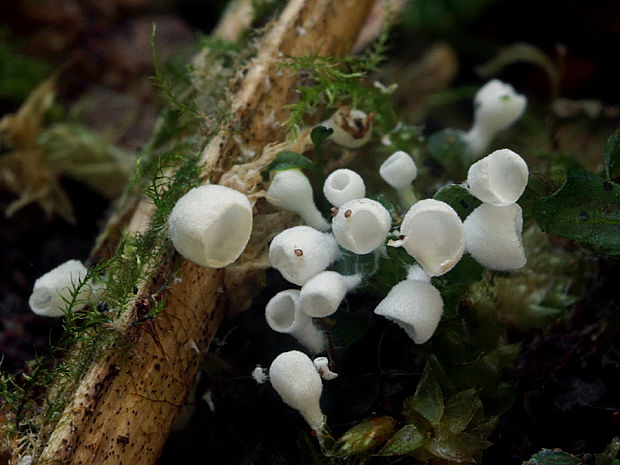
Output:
x=496 y=107
x=352 y=128
x=361 y=225
x=415 y=306
x=322 y=367
x=499 y=178
x=342 y=186
x=416 y=273
x=296 y=380
x=54 y=288
x=493 y=237
x=301 y=252
x=433 y=236
x=322 y=294
x=260 y=375
x=211 y=225
x=291 y=190
x=284 y=315
x=399 y=171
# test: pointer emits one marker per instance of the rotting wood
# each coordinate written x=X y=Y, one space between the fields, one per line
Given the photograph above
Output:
x=127 y=402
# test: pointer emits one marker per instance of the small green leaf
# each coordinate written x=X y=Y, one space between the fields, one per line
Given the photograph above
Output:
x=460 y=410
x=553 y=457
x=428 y=399
x=610 y=456
x=404 y=441
x=460 y=448
x=318 y=136
x=458 y=198
x=612 y=156
x=365 y=436
x=287 y=160
x=585 y=209
x=449 y=148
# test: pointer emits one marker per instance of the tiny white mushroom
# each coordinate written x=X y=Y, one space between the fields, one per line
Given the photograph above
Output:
x=433 y=236
x=260 y=375
x=497 y=106
x=415 y=306
x=322 y=294
x=399 y=171
x=284 y=316
x=352 y=128
x=343 y=185
x=493 y=237
x=301 y=252
x=322 y=367
x=361 y=225
x=291 y=190
x=211 y=225
x=499 y=178
x=54 y=288
x=296 y=380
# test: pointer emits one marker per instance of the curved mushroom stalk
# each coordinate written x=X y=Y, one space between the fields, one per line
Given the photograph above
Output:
x=211 y=225
x=415 y=306
x=298 y=383
x=342 y=186
x=497 y=106
x=291 y=190
x=399 y=171
x=321 y=295
x=433 y=236
x=322 y=367
x=352 y=128
x=284 y=315
x=493 y=237
x=301 y=252
x=361 y=225
x=498 y=179
x=52 y=290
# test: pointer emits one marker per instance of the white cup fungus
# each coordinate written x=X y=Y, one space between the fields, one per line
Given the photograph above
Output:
x=343 y=185
x=322 y=294
x=352 y=128
x=361 y=225
x=211 y=225
x=52 y=290
x=399 y=171
x=433 y=235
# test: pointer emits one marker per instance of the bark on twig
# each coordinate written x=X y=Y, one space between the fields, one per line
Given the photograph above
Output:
x=127 y=402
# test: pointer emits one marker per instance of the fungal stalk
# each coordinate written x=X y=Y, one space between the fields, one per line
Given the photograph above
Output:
x=361 y=225
x=352 y=128
x=291 y=190
x=283 y=314
x=416 y=306
x=211 y=225
x=493 y=237
x=498 y=179
x=433 y=235
x=496 y=107
x=53 y=290
x=322 y=367
x=322 y=294
x=399 y=171
x=301 y=252
x=342 y=186
x=298 y=383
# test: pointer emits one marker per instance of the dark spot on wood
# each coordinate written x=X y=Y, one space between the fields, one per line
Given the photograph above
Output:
x=122 y=439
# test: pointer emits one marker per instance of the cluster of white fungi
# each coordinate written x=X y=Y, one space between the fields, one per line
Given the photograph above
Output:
x=211 y=226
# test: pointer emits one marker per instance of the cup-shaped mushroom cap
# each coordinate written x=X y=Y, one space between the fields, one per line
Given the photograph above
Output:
x=497 y=106
x=352 y=128
x=322 y=294
x=343 y=185
x=282 y=312
x=361 y=225
x=298 y=383
x=398 y=170
x=56 y=286
x=493 y=237
x=301 y=252
x=291 y=190
x=211 y=225
x=415 y=306
x=433 y=236
x=499 y=178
